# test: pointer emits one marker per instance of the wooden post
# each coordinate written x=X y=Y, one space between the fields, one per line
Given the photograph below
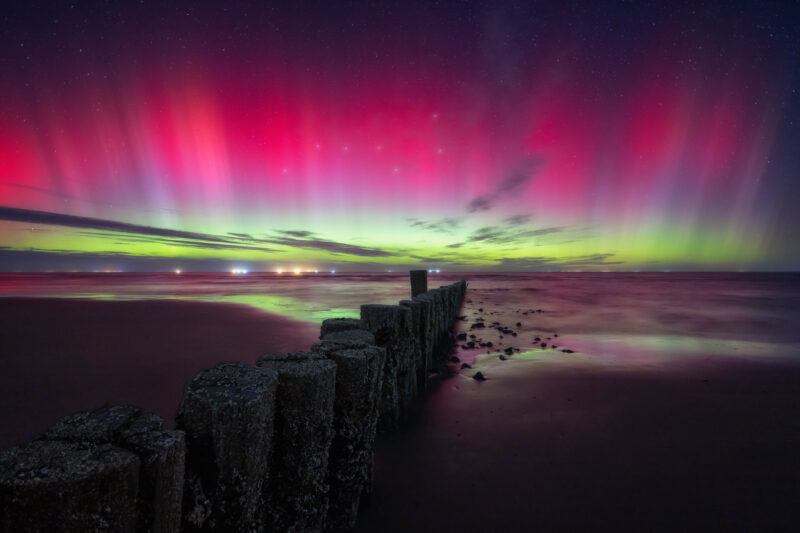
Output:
x=419 y=282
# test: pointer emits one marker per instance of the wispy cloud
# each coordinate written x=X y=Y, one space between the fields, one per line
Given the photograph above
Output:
x=443 y=225
x=29 y=216
x=523 y=173
x=124 y=231
x=556 y=263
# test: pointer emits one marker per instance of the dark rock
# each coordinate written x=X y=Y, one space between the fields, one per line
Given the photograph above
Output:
x=519 y=324
x=503 y=357
x=544 y=345
x=477 y=325
x=465 y=365
x=479 y=377
x=509 y=350
x=513 y=334
x=455 y=359
x=537 y=339
x=555 y=334
x=461 y=336
x=489 y=344
x=568 y=351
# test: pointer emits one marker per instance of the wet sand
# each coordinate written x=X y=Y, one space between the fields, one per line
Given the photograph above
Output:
x=62 y=355
x=711 y=444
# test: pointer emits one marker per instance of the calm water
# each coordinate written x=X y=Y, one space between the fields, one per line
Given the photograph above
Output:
x=610 y=318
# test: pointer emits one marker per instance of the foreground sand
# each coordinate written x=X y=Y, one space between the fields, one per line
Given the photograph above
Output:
x=705 y=445
x=63 y=355
x=556 y=443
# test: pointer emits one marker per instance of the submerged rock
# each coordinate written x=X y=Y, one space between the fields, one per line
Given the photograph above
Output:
x=479 y=376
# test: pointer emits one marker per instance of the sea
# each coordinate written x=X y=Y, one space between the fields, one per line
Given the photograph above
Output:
x=608 y=318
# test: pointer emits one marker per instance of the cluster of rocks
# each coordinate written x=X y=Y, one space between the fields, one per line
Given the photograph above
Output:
x=471 y=341
x=282 y=445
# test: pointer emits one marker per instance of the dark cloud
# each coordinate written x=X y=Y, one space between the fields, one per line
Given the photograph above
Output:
x=481 y=203
x=508 y=235
x=139 y=233
x=455 y=245
x=555 y=263
x=123 y=239
x=298 y=234
x=28 y=216
x=444 y=225
x=517 y=220
x=329 y=246
x=523 y=173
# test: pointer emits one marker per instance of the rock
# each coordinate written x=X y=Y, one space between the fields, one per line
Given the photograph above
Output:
x=503 y=357
x=519 y=324
x=567 y=351
x=555 y=334
x=509 y=350
x=226 y=466
x=544 y=345
x=297 y=497
x=465 y=365
x=489 y=344
x=68 y=486
x=479 y=376
x=461 y=336
x=454 y=359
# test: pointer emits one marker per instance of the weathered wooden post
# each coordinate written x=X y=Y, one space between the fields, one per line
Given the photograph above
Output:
x=419 y=282
x=391 y=325
x=298 y=490
x=227 y=413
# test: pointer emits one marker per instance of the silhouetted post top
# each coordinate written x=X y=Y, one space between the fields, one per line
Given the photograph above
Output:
x=419 y=282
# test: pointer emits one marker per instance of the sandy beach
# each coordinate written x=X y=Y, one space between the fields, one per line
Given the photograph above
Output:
x=711 y=445
x=63 y=355
x=662 y=435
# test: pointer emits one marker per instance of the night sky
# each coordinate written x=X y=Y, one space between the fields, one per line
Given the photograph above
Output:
x=383 y=135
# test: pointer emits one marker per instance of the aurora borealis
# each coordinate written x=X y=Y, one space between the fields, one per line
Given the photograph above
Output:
x=374 y=136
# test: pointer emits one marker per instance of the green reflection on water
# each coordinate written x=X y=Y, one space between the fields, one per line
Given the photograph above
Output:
x=281 y=305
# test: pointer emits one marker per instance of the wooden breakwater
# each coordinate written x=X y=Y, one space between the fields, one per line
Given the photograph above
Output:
x=282 y=445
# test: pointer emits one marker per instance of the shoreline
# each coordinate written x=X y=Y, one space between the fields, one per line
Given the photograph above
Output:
x=64 y=354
